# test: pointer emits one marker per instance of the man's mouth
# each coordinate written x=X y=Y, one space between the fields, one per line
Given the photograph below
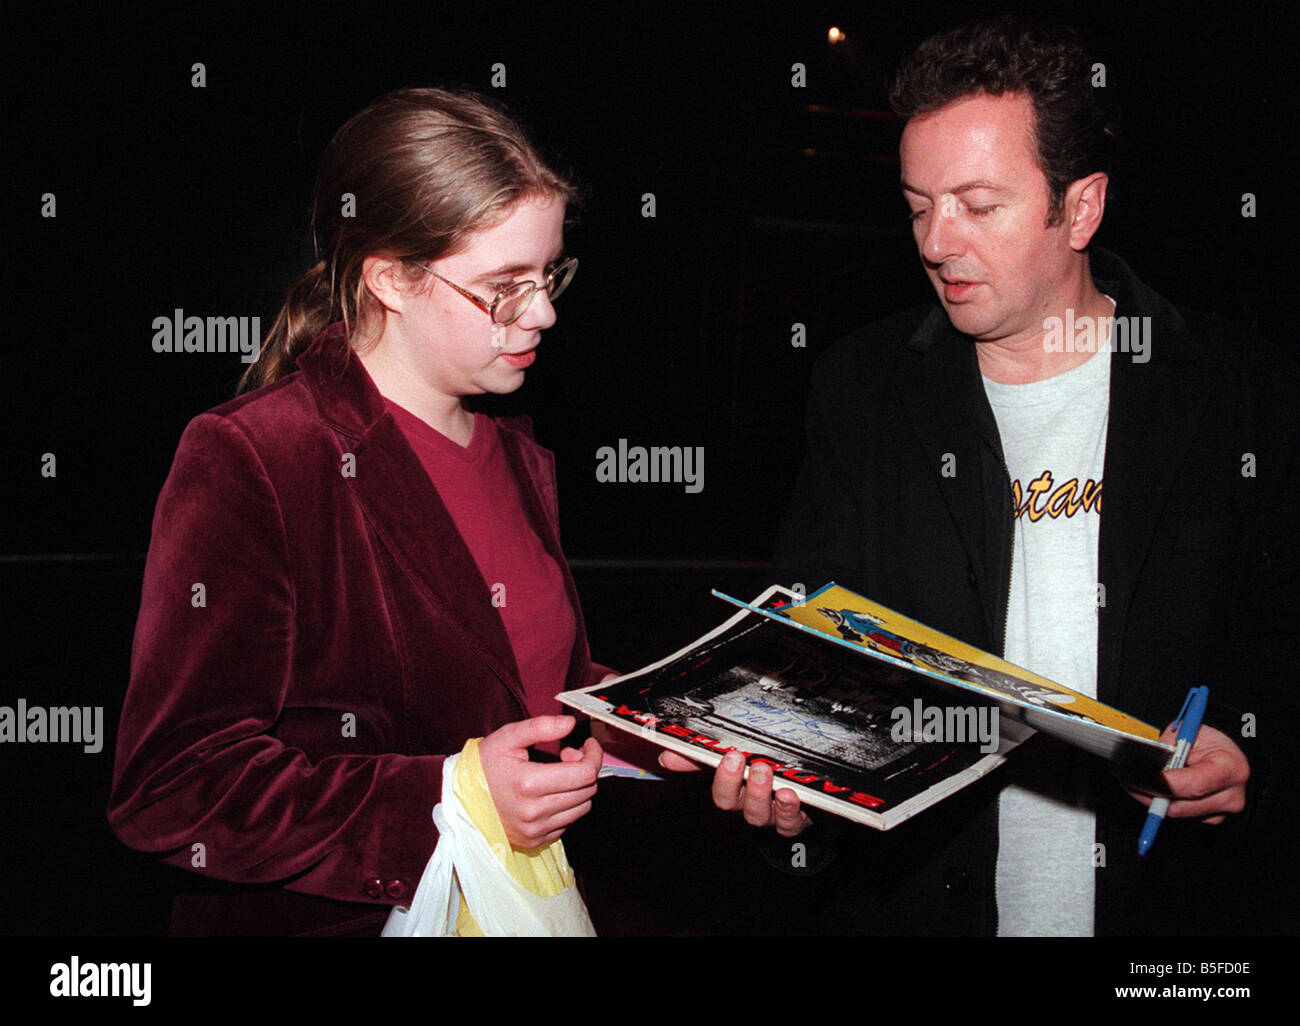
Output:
x=957 y=289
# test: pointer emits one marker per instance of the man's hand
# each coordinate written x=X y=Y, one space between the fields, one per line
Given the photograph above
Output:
x=537 y=800
x=1211 y=784
x=754 y=798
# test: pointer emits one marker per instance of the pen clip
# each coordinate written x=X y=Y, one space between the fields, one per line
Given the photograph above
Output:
x=1178 y=721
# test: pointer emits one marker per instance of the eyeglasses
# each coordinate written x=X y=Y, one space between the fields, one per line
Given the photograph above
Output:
x=508 y=305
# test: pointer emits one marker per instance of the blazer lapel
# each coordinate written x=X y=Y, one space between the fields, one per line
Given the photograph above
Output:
x=950 y=414
x=531 y=466
x=404 y=507
x=534 y=469
x=1152 y=422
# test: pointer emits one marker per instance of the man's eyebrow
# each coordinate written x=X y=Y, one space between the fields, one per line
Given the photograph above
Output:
x=973 y=184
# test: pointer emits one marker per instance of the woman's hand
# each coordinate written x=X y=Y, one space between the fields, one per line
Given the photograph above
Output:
x=537 y=800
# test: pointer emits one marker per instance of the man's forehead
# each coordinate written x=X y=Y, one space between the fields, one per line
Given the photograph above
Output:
x=979 y=137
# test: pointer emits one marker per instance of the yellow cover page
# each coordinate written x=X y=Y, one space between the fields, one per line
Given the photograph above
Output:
x=840 y=613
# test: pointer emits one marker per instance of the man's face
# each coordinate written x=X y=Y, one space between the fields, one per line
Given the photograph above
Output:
x=980 y=206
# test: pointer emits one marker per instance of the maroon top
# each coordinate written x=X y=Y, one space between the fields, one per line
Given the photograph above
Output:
x=522 y=579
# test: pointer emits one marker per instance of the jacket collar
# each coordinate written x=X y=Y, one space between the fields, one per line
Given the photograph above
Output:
x=404 y=507
x=345 y=395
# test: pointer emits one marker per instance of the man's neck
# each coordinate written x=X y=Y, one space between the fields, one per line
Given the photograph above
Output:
x=1051 y=350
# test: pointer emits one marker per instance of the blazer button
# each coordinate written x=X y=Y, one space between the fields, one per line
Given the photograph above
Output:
x=955 y=880
x=395 y=889
x=374 y=887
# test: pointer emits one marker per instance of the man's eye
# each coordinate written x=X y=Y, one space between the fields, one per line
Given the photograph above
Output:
x=982 y=211
x=916 y=215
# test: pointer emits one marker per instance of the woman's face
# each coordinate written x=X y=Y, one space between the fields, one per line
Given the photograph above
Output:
x=453 y=345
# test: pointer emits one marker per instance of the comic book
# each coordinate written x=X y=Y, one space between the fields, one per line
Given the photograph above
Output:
x=860 y=710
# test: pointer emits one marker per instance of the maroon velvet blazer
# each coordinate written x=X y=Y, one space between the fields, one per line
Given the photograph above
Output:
x=314 y=638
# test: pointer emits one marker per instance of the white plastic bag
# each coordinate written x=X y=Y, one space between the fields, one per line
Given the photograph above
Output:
x=464 y=862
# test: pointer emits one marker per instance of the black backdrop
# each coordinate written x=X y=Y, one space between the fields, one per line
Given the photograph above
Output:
x=775 y=205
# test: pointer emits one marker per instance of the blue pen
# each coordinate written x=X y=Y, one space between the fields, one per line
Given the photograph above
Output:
x=1189 y=722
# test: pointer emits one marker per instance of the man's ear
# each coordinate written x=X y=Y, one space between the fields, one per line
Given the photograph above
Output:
x=384 y=278
x=1085 y=203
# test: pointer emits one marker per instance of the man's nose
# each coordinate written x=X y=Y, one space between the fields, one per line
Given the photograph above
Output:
x=943 y=237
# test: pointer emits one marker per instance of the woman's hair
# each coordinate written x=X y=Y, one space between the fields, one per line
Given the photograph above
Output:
x=411 y=177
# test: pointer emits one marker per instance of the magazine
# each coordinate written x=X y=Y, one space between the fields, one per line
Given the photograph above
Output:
x=860 y=710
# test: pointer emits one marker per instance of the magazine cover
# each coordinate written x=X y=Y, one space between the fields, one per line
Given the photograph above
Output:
x=848 y=619
x=823 y=717
x=860 y=710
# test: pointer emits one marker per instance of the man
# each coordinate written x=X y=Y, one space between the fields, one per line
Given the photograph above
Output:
x=994 y=418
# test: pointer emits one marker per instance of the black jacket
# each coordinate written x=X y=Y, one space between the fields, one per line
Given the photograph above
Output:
x=1201 y=570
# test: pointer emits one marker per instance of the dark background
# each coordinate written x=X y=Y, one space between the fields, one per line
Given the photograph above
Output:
x=775 y=205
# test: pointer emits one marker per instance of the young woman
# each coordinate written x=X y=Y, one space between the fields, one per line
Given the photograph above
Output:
x=351 y=572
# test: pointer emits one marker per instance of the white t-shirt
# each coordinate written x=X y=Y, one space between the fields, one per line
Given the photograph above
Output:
x=1054 y=440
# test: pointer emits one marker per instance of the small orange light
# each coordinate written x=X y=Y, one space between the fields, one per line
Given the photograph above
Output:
x=835 y=35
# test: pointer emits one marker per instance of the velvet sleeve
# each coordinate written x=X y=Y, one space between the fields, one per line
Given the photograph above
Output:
x=200 y=775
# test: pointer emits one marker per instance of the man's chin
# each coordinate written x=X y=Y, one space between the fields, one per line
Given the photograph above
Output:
x=966 y=319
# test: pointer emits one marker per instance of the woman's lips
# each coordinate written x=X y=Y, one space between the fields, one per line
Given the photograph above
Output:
x=520 y=359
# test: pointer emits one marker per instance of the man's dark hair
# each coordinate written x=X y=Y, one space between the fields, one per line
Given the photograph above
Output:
x=1049 y=65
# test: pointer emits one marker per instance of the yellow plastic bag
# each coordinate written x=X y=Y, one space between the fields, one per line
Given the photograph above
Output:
x=476 y=883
